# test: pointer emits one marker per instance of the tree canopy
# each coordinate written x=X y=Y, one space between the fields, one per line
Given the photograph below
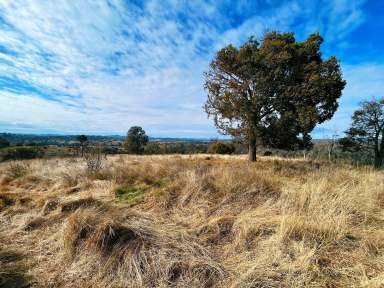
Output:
x=275 y=90
x=136 y=140
x=367 y=130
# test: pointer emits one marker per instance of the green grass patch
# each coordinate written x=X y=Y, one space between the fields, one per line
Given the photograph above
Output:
x=131 y=193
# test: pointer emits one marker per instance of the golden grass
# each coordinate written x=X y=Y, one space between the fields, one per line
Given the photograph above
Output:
x=191 y=221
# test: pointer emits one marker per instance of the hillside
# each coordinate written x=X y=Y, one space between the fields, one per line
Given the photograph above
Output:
x=190 y=221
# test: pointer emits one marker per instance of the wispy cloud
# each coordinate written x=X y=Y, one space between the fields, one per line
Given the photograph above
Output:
x=102 y=66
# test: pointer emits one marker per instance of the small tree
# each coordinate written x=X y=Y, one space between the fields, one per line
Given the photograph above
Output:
x=83 y=140
x=4 y=142
x=136 y=140
x=279 y=87
x=367 y=131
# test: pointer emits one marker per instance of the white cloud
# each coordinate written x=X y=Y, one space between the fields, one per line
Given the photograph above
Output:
x=112 y=64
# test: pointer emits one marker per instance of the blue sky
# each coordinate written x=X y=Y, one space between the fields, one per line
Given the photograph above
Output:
x=101 y=66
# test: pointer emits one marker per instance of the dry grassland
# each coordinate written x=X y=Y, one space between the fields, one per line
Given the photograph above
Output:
x=194 y=221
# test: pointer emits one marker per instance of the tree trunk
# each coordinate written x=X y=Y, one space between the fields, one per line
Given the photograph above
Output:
x=379 y=153
x=252 y=145
x=378 y=157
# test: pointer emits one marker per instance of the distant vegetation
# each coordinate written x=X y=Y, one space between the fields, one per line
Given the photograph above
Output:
x=20 y=153
x=221 y=148
x=327 y=149
x=4 y=143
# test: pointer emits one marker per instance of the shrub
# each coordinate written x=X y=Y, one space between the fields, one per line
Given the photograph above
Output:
x=221 y=148
x=94 y=161
x=21 y=153
x=110 y=150
x=94 y=165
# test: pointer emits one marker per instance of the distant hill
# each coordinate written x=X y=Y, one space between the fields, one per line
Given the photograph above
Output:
x=52 y=139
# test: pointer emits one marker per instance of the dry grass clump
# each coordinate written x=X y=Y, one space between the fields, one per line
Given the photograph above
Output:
x=329 y=222
x=49 y=205
x=217 y=231
x=206 y=192
x=6 y=200
x=73 y=205
x=133 y=252
x=33 y=223
x=69 y=180
x=17 y=170
x=186 y=221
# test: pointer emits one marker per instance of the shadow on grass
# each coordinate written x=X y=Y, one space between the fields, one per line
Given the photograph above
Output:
x=12 y=272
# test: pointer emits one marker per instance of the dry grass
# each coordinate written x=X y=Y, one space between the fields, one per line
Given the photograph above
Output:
x=190 y=221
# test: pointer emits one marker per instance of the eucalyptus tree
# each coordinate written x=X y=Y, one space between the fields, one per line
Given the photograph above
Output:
x=367 y=130
x=275 y=90
x=136 y=140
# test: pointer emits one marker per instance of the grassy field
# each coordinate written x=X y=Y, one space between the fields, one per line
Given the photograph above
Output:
x=190 y=221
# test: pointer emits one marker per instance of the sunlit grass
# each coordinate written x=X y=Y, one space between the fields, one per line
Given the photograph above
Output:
x=194 y=221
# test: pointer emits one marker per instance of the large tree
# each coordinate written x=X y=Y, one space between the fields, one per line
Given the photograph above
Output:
x=277 y=88
x=367 y=131
x=136 y=140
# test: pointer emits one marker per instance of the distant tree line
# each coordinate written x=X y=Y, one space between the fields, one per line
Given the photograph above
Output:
x=137 y=142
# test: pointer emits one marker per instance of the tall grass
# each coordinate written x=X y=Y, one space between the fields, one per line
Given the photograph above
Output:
x=194 y=221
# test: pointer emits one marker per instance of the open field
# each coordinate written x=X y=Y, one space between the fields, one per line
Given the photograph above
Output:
x=190 y=221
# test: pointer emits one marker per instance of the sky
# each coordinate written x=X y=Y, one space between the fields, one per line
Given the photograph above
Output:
x=101 y=66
